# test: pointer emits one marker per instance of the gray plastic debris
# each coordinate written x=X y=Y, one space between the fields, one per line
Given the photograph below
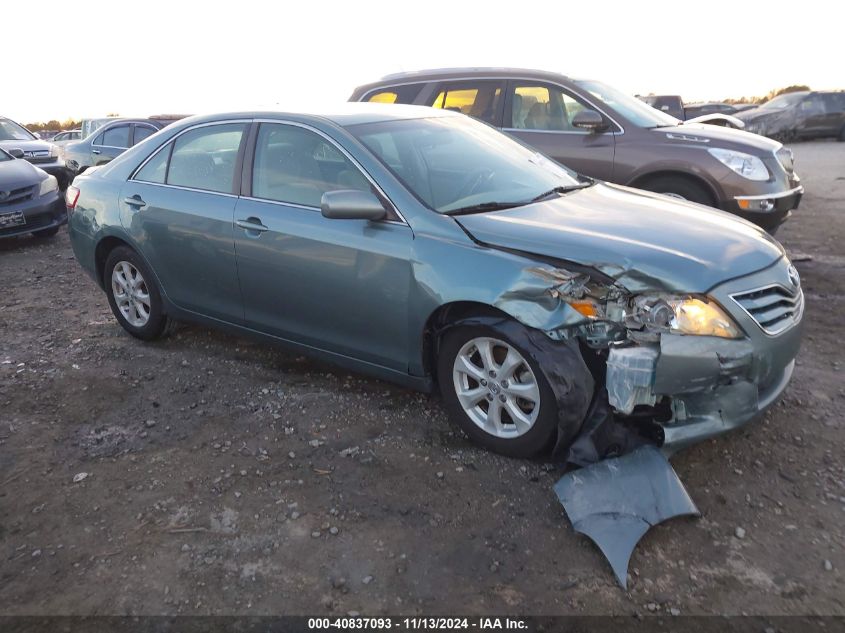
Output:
x=616 y=501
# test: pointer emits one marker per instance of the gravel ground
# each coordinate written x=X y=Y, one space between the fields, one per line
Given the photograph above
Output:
x=207 y=474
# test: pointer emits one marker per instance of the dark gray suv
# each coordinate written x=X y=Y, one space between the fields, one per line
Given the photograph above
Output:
x=606 y=134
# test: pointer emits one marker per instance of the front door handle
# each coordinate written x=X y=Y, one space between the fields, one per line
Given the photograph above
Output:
x=135 y=201
x=95 y=151
x=252 y=224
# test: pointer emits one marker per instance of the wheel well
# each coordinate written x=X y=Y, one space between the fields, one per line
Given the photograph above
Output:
x=443 y=316
x=640 y=181
x=101 y=254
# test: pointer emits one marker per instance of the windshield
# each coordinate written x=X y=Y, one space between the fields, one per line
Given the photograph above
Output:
x=456 y=164
x=784 y=101
x=639 y=113
x=11 y=131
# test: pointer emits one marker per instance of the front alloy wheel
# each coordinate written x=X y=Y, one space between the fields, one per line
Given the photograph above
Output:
x=495 y=391
x=496 y=387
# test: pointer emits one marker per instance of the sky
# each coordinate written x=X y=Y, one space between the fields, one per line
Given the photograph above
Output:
x=177 y=56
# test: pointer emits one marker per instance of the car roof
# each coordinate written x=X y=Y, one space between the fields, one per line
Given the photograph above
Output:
x=474 y=71
x=468 y=72
x=342 y=114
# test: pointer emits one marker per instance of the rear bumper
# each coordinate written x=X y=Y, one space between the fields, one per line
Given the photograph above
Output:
x=40 y=215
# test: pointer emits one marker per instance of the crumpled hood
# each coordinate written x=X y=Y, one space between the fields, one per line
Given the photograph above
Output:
x=15 y=174
x=718 y=136
x=643 y=240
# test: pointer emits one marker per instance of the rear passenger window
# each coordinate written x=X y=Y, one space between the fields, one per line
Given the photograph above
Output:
x=205 y=158
x=117 y=136
x=396 y=94
x=142 y=132
x=477 y=99
x=156 y=168
x=298 y=166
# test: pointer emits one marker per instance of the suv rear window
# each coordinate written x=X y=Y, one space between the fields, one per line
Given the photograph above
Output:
x=396 y=94
x=478 y=99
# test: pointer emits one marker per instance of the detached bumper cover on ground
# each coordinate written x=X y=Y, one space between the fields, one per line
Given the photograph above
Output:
x=616 y=501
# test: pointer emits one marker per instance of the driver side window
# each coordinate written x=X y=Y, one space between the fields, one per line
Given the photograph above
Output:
x=543 y=108
x=297 y=166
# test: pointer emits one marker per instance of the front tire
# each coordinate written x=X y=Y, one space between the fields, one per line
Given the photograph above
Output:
x=495 y=391
x=683 y=188
x=133 y=294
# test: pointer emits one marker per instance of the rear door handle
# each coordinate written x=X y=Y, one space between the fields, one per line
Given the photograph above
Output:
x=252 y=224
x=95 y=151
x=135 y=201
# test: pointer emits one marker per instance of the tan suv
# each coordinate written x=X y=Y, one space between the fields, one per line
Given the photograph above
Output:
x=606 y=134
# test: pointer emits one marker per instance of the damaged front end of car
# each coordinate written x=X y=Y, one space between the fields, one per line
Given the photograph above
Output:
x=671 y=369
x=678 y=368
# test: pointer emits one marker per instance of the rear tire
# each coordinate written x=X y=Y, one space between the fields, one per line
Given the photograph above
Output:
x=134 y=295
x=680 y=187
x=512 y=371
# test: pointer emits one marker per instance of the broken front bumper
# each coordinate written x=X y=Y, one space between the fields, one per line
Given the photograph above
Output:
x=712 y=384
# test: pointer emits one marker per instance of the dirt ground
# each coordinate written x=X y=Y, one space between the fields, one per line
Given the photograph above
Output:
x=226 y=477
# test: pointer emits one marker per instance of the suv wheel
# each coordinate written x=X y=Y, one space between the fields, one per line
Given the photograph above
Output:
x=679 y=187
x=133 y=294
x=495 y=391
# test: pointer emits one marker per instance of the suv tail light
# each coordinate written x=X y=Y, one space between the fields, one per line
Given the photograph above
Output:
x=71 y=198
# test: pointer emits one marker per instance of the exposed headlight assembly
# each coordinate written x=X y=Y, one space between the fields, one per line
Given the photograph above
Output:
x=745 y=165
x=48 y=185
x=682 y=315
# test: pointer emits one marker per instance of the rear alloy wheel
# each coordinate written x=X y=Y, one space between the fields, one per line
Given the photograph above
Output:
x=496 y=392
x=133 y=295
x=681 y=188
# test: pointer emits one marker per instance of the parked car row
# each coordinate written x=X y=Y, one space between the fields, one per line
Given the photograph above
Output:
x=675 y=106
x=43 y=154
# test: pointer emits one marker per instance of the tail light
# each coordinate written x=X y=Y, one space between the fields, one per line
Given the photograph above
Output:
x=71 y=198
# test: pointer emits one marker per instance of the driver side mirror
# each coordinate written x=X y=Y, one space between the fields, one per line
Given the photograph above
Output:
x=589 y=120
x=16 y=152
x=351 y=204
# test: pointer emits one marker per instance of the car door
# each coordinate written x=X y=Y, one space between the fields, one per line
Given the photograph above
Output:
x=336 y=285
x=110 y=143
x=540 y=114
x=179 y=208
x=834 y=113
x=811 y=117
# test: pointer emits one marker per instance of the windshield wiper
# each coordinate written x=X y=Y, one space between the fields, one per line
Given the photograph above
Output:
x=484 y=206
x=560 y=190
